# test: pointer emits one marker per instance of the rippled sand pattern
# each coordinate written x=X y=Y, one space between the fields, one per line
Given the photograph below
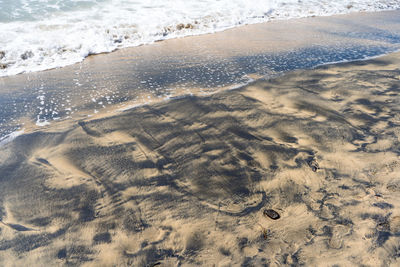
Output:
x=187 y=182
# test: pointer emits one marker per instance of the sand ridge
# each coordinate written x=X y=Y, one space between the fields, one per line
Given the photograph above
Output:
x=186 y=182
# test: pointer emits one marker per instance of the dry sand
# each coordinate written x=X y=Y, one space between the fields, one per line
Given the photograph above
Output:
x=186 y=182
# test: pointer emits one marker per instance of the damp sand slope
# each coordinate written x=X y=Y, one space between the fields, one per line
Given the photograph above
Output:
x=187 y=182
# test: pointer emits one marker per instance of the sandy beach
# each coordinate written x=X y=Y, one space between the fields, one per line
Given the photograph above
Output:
x=187 y=182
x=297 y=170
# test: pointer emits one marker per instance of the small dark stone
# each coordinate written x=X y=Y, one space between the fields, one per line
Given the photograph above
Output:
x=3 y=66
x=2 y=54
x=272 y=214
x=313 y=164
x=27 y=54
x=314 y=168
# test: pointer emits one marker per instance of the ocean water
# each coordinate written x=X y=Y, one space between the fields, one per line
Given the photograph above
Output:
x=43 y=34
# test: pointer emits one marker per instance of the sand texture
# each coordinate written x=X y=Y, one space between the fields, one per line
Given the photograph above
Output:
x=186 y=182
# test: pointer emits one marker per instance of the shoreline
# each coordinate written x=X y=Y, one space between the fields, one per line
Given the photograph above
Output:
x=361 y=13
x=193 y=65
x=175 y=34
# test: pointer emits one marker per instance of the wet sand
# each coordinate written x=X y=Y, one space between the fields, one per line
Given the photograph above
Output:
x=195 y=65
x=187 y=182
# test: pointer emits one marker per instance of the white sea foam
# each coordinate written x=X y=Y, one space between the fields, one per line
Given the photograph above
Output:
x=8 y=138
x=42 y=34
